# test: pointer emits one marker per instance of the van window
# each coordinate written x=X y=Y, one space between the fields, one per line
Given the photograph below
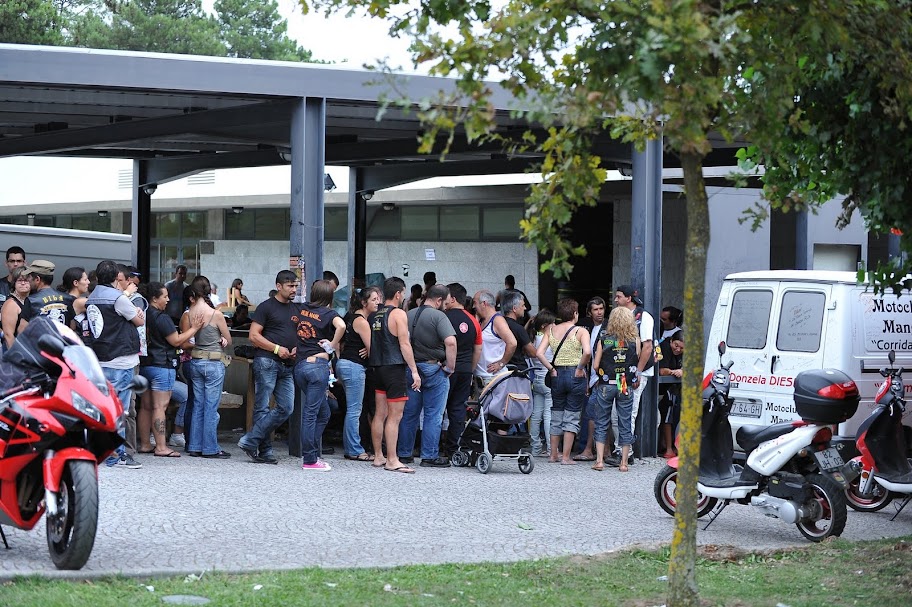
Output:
x=800 y=321
x=748 y=324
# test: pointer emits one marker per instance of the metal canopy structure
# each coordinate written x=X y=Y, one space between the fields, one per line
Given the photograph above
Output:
x=176 y=115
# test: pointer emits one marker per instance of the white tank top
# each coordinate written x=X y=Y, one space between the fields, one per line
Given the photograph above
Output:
x=492 y=348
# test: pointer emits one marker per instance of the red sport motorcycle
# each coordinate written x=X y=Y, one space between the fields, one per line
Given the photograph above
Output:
x=59 y=418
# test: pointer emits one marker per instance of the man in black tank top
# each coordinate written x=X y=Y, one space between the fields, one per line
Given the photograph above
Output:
x=390 y=355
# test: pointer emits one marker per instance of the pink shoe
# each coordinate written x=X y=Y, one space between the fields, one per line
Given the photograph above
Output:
x=318 y=466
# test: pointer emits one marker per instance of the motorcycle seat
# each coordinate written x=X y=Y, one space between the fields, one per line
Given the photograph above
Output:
x=749 y=437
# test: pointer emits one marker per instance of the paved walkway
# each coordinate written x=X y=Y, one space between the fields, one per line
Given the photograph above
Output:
x=177 y=516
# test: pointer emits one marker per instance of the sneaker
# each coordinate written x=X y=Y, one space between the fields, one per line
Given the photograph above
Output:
x=318 y=466
x=268 y=458
x=127 y=461
x=177 y=440
x=251 y=453
x=615 y=460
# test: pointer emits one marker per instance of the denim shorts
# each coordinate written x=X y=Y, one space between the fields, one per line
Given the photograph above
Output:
x=161 y=379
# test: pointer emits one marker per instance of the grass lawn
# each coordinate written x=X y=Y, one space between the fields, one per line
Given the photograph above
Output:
x=836 y=573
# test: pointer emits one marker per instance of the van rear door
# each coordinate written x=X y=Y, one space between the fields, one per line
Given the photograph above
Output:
x=747 y=334
x=797 y=344
x=774 y=330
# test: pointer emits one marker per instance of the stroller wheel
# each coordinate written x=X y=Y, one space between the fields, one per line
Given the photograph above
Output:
x=526 y=463
x=459 y=458
x=483 y=463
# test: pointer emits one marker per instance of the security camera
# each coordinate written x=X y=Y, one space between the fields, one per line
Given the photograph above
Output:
x=405 y=269
x=150 y=188
x=625 y=170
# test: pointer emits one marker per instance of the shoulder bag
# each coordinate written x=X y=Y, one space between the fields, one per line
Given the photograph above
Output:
x=548 y=377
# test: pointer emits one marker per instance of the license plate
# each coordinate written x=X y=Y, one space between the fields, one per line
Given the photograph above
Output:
x=829 y=459
x=747 y=408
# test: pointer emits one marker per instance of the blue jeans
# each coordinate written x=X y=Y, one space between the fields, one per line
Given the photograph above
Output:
x=568 y=392
x=207 y=377
x=541 y=412
x=606 y=395
x=270 y=377
x=312 y=379
x=179 y=396
x=120 y=379
x=353 y=376
x=432 y=399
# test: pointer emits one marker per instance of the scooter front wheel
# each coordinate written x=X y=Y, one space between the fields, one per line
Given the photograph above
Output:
x=664 y=490
x=71 y=532
x=825 y=512
x=874 y=501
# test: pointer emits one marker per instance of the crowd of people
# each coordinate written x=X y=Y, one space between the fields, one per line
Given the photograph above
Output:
x=407 y=364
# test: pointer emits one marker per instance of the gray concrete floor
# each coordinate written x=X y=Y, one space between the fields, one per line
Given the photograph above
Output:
x=187 y=515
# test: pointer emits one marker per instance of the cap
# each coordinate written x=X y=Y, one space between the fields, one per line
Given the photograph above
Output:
x=42 y=267
x=627 y=290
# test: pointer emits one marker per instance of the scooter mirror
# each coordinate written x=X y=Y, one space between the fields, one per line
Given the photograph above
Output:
x=51 y=344
x=891 y=356
x=721 y=348
x=139 y=384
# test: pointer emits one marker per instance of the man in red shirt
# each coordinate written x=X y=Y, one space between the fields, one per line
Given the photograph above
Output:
x=468 y=351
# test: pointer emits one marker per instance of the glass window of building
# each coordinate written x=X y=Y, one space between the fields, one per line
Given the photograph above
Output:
x=460 y=222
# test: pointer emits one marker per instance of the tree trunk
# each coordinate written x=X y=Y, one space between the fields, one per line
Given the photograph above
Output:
x=681 y=567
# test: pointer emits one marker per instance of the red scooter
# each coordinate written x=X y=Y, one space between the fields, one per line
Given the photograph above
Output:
x=886 y=471
x=59 y=418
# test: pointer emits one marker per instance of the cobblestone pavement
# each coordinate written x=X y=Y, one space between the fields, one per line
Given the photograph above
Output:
x=188 y=515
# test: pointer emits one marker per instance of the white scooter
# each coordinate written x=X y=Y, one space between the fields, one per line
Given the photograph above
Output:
x=792 y=473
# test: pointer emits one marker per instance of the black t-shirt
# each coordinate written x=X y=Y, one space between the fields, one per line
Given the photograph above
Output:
x=314 y=323
x=468 y=335
x=278 y=327
x=522 y=340
x=161 y=354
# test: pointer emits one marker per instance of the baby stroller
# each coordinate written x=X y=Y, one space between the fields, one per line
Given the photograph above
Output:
x=497 y=428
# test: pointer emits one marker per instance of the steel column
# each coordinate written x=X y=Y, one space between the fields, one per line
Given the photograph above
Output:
x=308 y=154
x=357 y=229
x=141 y=221
x=646 y=271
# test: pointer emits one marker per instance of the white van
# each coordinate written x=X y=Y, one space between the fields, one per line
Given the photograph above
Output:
x=779 y=323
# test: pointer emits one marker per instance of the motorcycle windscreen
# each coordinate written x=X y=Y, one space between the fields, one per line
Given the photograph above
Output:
x=84 y=359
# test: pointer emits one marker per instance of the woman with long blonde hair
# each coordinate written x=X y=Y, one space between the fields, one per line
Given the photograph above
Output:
x=617 y=351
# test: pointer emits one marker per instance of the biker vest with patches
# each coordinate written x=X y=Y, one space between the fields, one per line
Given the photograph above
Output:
x=112 y=335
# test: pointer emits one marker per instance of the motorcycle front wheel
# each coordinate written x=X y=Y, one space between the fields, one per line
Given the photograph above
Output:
x=71 y=532
x=874 y=501
x=664 y=490
x=826 y=511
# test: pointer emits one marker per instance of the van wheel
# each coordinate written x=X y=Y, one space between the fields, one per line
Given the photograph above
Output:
x=664 y=490
x=874 y=501
x=826 y=511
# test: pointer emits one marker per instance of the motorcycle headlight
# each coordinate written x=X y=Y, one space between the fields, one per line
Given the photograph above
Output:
x=86 y=408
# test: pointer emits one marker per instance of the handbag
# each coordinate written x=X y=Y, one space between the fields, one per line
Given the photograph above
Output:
x=548 y=377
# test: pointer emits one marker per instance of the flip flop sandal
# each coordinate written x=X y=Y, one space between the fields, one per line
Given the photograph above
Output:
x=402 y=469
x=583 y=458
x=363 y=457
x=168 y=454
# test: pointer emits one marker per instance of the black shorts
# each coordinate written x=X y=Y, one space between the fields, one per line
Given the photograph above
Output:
x=390 y=380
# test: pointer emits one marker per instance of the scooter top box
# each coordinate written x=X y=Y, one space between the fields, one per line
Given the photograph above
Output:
x=825 y=396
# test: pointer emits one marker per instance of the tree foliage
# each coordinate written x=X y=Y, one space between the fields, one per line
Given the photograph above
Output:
x=29 y=22
x=793 y=77
x=238 y=28
x=254 y=29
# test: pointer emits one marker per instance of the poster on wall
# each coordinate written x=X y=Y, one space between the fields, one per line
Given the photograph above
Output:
x=296 y=265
